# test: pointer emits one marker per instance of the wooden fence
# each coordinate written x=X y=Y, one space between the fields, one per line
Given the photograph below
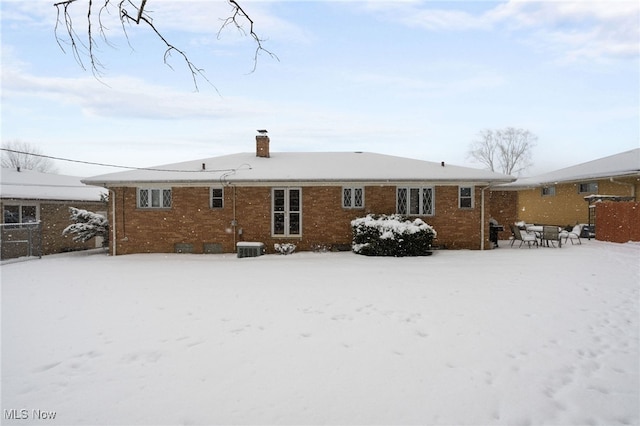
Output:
x=618 y=222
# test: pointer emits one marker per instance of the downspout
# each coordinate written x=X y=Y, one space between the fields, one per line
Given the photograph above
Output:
x=112 y=196
x=234 y=222
x=482 y=218
x=633 y=187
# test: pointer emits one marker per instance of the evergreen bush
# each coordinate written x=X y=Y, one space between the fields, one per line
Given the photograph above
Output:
x=391 y=235
x=87 y=225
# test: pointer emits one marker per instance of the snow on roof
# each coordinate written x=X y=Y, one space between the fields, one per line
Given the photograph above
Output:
x=624 y=164
x=31 y=185
x=302 y=167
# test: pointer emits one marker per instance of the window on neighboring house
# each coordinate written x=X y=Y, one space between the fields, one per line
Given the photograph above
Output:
x=548 y=191
x=154 y=198
x=287 y=212
x=465 y=197
x=415 y=201
x=20 y=213
x=353 y=198
x=217 y=198
x=588 y=187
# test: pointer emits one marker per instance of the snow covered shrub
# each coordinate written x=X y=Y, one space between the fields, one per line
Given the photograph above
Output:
x=392 y=235
x=320 y=248
x=87 y=225
x=285 y=248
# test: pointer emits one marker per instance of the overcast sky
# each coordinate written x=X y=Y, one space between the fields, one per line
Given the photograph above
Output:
x=411 y=78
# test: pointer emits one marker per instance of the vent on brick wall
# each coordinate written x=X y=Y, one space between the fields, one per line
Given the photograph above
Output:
x=183 y=248
x=212 y=248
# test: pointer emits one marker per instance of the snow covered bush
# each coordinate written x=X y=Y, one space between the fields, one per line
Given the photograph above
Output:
x=284 y=248
x=392 y=235
x=87 y=225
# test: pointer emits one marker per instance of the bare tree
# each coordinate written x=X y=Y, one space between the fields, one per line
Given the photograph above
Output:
x=506 y=150
x=135 y=12
x=17 y=154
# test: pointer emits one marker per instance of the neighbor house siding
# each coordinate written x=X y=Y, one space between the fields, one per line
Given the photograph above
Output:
x=54 y=216
x=567 y=206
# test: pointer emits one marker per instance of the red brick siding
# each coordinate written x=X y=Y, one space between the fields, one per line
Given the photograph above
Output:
x=458 y=228
x=189 y=220
x=504 y=209
x=324 y=221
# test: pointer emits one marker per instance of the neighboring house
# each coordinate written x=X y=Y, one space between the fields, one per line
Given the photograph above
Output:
x=207 y=206
x=29 y=197
x=560 y=197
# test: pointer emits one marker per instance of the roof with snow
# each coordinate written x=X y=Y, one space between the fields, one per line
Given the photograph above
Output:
x=302 y=167
x=624 y=164
x=32 y=185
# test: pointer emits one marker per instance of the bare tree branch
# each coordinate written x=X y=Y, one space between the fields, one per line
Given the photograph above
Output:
x=239 y=13
x=508 y=150
x=16 y=154
x=133 y=12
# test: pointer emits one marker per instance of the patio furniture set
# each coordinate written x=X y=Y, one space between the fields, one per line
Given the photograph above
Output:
x=544 y=235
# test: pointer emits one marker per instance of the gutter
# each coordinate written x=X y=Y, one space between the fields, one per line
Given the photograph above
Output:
x=305 y=182
x=514 y=186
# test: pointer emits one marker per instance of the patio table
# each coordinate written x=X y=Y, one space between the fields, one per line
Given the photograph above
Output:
x=538 y=229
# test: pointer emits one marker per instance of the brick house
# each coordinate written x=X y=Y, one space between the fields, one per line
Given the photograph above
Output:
x=28 y=197
x=209 y=205
x=561 y=197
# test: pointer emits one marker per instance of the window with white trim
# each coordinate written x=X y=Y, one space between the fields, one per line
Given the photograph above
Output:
x=588 y=187
x=415 y=201
x=548 y=191
x=217 y=198
x=353 y=198
x=154 y=198
x=286 y=212
x=465 y=197
x=20 y=213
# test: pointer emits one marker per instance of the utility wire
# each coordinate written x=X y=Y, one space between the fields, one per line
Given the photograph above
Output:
x=117 y=166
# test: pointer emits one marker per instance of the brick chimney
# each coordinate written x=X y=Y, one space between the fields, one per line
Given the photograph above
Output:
x=262 y=144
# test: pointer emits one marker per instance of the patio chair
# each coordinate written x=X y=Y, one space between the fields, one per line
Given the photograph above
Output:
x=550 y=234
x=572 y=235
x=522 y=236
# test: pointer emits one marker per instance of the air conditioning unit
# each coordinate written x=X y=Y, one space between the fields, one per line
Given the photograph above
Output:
x=250 y=249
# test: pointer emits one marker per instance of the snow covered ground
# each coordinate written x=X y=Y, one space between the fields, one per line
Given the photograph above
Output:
x=509 y=336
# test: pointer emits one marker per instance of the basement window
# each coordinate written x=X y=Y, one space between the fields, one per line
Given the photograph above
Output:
x=154 y=198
